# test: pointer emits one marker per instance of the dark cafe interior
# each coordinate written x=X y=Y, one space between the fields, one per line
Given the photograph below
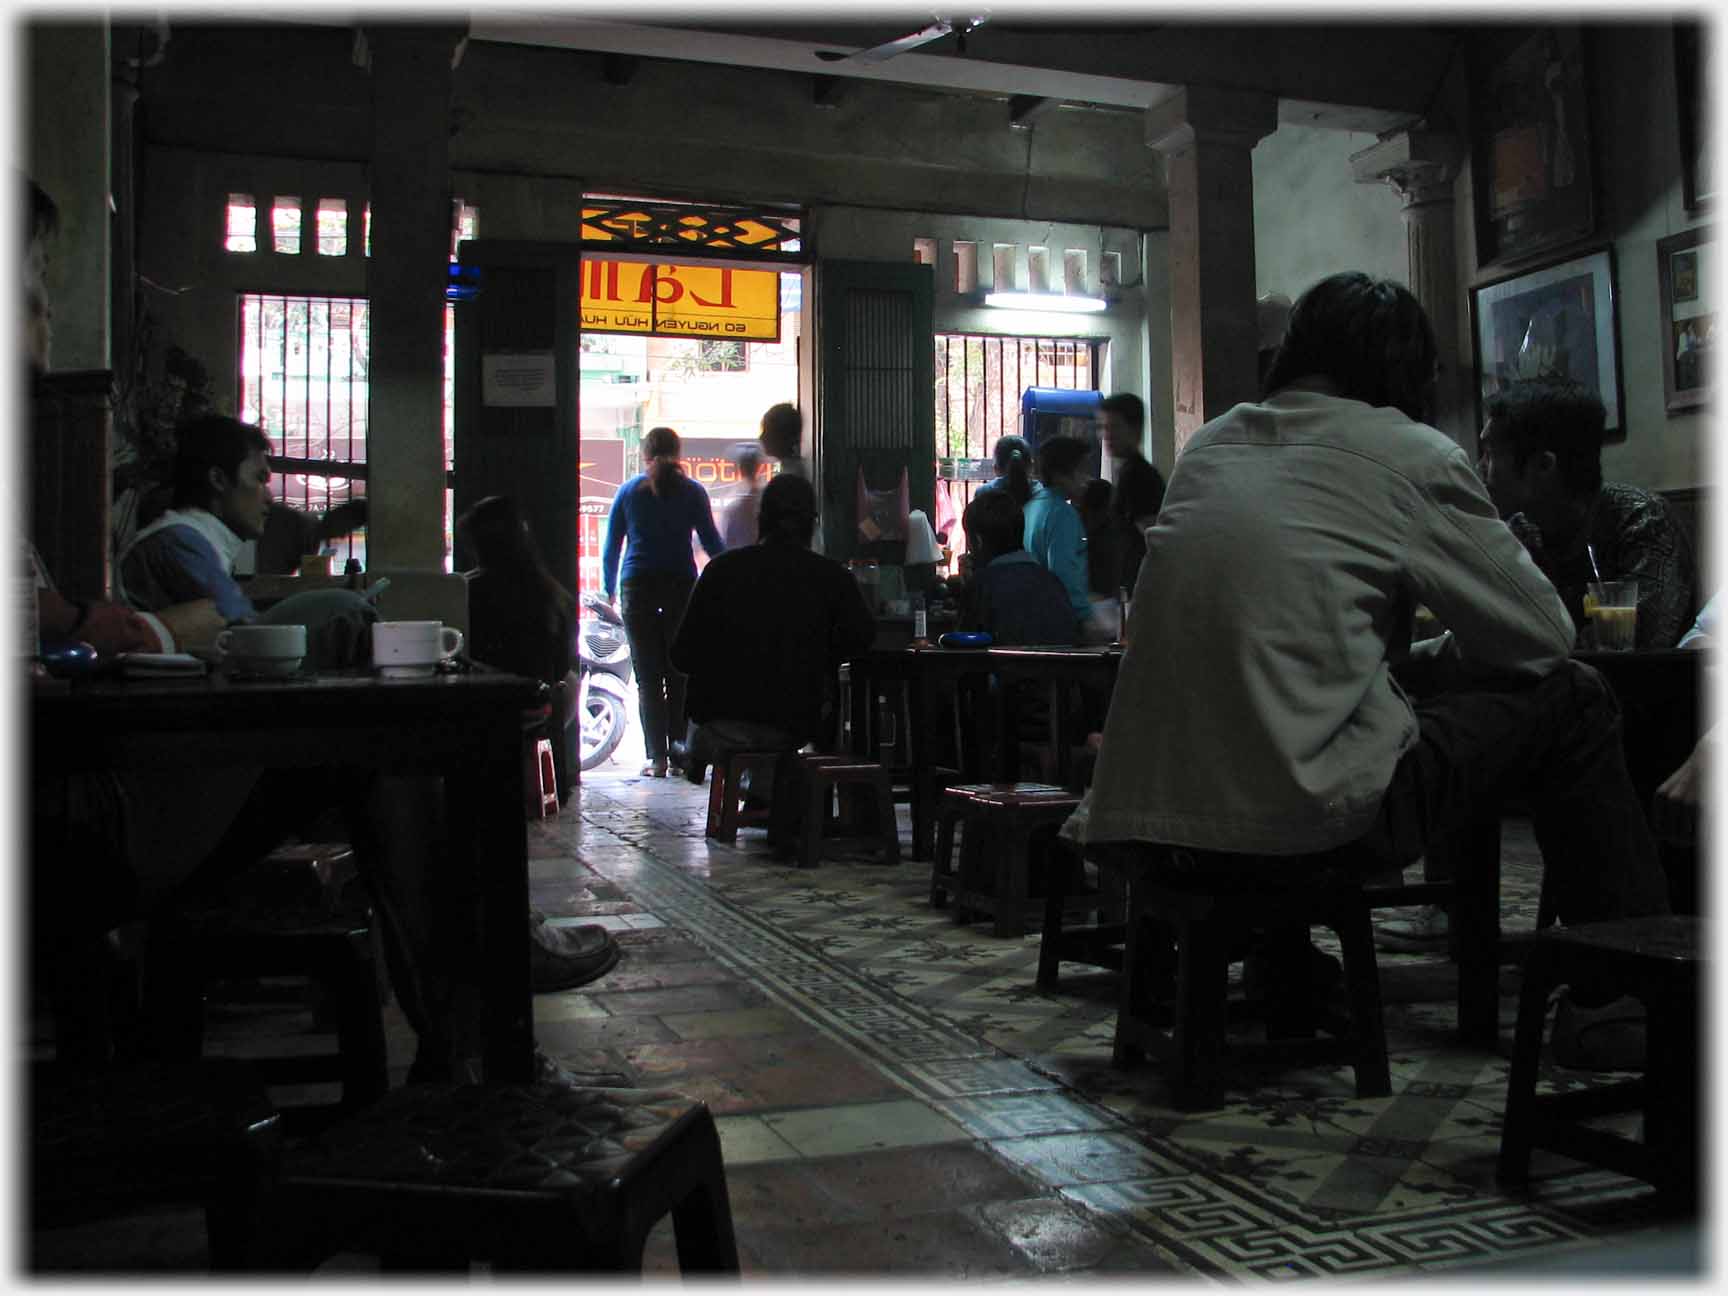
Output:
x=1001 y=643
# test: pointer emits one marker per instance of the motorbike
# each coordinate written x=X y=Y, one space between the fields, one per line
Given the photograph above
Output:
x=603 y=664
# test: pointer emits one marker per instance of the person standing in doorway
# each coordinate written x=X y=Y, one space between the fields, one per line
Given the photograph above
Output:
x=1138 y=487
x=657 y=510
x=782 y=438
x=739 y=530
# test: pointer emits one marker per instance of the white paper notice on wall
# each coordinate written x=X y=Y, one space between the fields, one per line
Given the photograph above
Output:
x=524 y=378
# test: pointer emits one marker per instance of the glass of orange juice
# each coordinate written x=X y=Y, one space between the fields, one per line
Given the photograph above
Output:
x=1611 y=610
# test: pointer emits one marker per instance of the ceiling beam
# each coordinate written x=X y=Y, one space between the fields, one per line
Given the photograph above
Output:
x=827 y=91
x=1025 y=110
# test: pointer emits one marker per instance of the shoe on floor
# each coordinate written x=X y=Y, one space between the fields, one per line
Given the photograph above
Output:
x=548 y=1070
x=1428 y=930
x=1609 y=1038
x=692 y=769
x=562 y=958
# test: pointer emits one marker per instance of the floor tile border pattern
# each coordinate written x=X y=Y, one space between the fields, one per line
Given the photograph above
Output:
x=1215 y=1225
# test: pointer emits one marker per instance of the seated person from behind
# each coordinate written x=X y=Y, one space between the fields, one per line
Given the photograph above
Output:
x=1011 y=595
x=1541 y=457
x=764 y=634
x=520 y=618
x=1257 y=713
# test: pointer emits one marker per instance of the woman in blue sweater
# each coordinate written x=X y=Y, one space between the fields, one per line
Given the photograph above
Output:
x=1055 y=535
x=657 y=509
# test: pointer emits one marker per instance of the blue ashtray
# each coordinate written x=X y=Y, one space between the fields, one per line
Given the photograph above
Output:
x=68 y=658
x=965 y=639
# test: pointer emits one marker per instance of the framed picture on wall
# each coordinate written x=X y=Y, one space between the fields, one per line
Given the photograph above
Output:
x=1556 y=322
x=1530 y=144
x=1692 y=109
x=1684 y=267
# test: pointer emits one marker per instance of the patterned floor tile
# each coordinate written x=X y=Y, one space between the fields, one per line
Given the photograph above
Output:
x=746 y=1140
x=999 y=1116
x=835 y=1131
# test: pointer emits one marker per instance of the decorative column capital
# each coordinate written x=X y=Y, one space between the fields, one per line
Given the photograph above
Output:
x=1204 y=114
x=1420 y=165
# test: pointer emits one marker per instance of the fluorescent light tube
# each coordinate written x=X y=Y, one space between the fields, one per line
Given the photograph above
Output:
x=1044 y=302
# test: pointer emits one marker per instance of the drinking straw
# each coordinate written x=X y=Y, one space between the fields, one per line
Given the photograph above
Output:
x=1590 y=550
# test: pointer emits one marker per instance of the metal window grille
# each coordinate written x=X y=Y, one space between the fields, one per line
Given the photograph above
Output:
x=979 y=380
x=303 y=379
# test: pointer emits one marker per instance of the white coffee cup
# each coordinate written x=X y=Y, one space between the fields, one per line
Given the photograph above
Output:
x=263 y=649
x=403 y=649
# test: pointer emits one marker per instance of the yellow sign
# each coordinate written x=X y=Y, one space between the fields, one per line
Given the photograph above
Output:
x=691 y=301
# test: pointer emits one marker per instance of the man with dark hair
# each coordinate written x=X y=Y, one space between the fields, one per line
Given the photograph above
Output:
x=1137 y=487
x=1257 y=713
x=221 y=495
x=762 y=638
x=1011 y=595
x=1541 y=457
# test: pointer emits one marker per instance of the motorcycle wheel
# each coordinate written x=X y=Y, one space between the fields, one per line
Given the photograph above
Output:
x=603 y=720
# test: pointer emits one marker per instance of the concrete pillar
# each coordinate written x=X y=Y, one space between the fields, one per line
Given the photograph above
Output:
x=1207 y=138
x=67 y=154
x=406 y=278
x=1421 y=166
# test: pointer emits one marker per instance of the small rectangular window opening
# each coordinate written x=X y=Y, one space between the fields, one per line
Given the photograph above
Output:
x=1003 y=264
x=1074 y=271
x=965 y=267
x=924 y=251
x=285 y=225
x=242 y=227
x=1038 y=269
x=332 y=227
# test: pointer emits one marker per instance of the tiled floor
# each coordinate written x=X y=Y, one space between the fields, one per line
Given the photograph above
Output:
x=895 y=1099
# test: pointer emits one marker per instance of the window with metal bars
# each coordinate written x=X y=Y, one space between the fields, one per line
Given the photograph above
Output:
x=304 y=380
x=979 y=381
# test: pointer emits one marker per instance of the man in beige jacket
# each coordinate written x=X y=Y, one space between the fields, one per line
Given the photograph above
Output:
x=1257 y=709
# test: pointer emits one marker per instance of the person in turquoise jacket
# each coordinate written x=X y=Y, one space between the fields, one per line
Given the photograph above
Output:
x=1055 y=535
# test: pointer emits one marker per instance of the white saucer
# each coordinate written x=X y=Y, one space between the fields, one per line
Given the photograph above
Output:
x=263 y=667
x=408 y=670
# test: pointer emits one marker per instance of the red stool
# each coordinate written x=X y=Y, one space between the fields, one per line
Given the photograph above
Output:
x=725 y=815
x=546 y=776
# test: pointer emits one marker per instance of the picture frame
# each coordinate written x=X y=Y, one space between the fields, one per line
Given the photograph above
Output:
x=1533 y=168
x=1692 y=117
x=1684 y=267
x=1557 y=321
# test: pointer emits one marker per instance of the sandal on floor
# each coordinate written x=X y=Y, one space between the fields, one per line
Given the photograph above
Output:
x=1609 y=1038
x=654 y=769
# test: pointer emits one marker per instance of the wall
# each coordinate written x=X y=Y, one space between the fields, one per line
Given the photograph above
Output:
x=1312 y=219
x=1638 y=185
x=866 y=234
x=67 y=154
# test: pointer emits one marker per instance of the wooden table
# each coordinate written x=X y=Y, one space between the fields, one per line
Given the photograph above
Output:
x=466 y=727
x=925 y=670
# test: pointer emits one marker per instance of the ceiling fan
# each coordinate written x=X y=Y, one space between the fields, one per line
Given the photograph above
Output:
x=904 y=44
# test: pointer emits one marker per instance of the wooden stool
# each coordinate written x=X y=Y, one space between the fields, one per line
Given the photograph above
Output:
x=270 y=930
x=1210 y=903
x=1660 y=962
x=824 y=775
x=103 y=1140
x=1099 y=943
x=725 y=813
x=529 y=1177
x=1008 y=814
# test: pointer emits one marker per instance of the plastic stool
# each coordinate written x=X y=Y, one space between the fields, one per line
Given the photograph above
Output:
x=538 y=1177
x=546 y=774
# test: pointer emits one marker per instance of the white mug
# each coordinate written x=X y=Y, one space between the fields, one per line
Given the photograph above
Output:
x=263 y=649
x=401 y=649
